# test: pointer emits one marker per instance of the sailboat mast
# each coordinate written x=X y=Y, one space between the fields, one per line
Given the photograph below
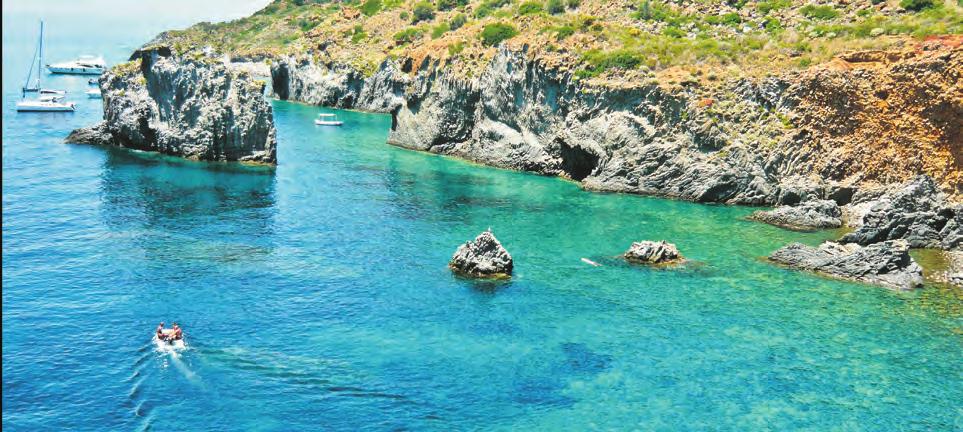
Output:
x=40 y=58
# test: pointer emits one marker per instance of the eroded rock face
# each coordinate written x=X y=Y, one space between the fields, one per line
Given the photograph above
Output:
x=483 y=257
x=758 y=144
x=653 y=252
x=917 y=212
x=816 y=214
x=888 y=263
x=193 y=108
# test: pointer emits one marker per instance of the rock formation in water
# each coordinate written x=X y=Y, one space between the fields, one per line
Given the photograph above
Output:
x=521 y=114
x=815 y=214
x=193 y=107
x=916 y=211
x=653 y=252
x=887 y=263
x=483 y=257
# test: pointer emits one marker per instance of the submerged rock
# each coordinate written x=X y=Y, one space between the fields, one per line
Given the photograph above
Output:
x=816 y=214
x=190 y=107
x=888 y=263
x=917 y=212
x=483 y=257
x=953 y=272
x=652 y=252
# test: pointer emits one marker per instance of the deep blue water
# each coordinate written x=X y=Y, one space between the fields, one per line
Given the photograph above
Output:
x=316 y=295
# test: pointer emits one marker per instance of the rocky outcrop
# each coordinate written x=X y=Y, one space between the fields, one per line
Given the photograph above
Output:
x=888 y=263
x=736 y=143
x=816 y=214
x=339 y=86
x=97 y=134
x=483 y=257
x=190 y=107
x=916 y=211
x=653 y=252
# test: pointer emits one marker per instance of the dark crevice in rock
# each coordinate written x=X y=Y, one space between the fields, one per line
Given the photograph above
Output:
x=577 y=163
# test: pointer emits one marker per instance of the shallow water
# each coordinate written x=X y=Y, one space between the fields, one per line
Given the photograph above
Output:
x=316 y=295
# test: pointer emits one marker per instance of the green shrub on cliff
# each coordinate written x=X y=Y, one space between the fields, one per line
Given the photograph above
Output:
x=555 y=7
x=439 y=30
x=487 y=7
x=423 y=11
x=598 y=62
x=654 y=11
x=530 y=8
x=371 y=7
x=768 y=6
x=917 y=5
x=408 y=35
x=458 y=21
x=819 y=12
x=494 y=34
x=456 y=48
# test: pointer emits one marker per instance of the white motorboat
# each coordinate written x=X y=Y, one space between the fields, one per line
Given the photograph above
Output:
x=49 y=103
x=325 y=119
x=37 y=87
x=169 y=345
x=92 y=81
x=85 y=65
x=93 y=93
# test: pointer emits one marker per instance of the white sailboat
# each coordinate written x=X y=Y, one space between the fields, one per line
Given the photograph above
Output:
x=325 y=119
x=85 y=65
x=48 y=100
x=48 y=103
x=36 y=84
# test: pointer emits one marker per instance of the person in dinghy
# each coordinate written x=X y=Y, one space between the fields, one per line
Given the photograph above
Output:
x=169 y=335
x=160 y=332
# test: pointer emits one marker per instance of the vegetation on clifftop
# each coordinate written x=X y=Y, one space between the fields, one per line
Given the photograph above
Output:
x=596 y=38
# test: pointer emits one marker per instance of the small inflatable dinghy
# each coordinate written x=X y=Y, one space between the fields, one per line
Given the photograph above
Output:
x=170 y=345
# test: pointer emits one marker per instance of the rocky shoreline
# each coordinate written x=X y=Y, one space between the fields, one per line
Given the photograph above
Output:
x=195 y=108
x=520 y=114
x=736 y=144
x=888 y=263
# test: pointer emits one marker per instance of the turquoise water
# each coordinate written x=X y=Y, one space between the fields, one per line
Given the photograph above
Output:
x=316 y=296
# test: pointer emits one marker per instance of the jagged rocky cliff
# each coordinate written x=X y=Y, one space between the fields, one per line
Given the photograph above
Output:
x=190 y=107
x=744 y=142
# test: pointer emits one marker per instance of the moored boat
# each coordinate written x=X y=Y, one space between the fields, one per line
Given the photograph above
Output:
x=37 y=87
x=326 y=119
x=49 y=103
x=93 y=93
x=84 y=65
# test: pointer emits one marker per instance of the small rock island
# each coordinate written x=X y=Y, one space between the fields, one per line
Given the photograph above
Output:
x=653 y=252
x=483 y=257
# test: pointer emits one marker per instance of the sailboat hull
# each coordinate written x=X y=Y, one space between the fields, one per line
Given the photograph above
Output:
x=36 y=106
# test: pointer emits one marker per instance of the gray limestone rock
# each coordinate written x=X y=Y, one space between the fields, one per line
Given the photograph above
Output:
x=916 y=211
x=483 y=257
x=653 y=252
x=887 y=263
x=97 y=134
x=816 y=214
x=193 y=108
